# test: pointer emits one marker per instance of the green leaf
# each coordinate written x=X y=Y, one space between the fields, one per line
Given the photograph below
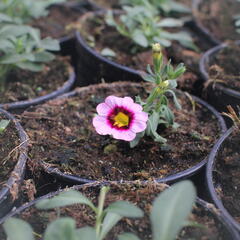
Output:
x=125 y=209
x=175 y=100
x=171 y=209
x=110 y=220
x=43 y=57
x=139 y=38
x=50 y=44
x=170 y=22
x=17 y=229
x=107 y=52
x=35 y=67
x=3 y=125
x=86 y=233
x=64 y=199
x=136 y=140
x=127 y=236
x=61 y=229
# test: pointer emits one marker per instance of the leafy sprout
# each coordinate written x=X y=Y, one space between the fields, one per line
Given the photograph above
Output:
x=3 y=125
x=143 y=25
x=23 y=11
x=167 y=218
x=233 y=115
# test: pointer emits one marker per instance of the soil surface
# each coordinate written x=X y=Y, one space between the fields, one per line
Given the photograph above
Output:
x=8 y=151
x=62 y=135
x=224 y=67
x=140 y=196
x=227 y=174
x=217 y=16
x=59 y=22
x=25 y=85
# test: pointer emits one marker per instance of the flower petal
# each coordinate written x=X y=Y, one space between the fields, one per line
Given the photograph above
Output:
x=142 y=116
x=138 y=126
x=127 y=135
x=113 y=101
x=101 y=126
x=129 y=104
x=103 y=109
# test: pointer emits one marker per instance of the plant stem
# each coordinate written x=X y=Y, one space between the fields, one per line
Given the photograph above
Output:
x=100 y=216
x=4 y=69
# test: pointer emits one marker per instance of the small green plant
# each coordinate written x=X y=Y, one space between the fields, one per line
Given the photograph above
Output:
x=168 y=216
x=165 y=6
x=23 y=11
x=143 y=25
x=3 y=125
x=22 y=47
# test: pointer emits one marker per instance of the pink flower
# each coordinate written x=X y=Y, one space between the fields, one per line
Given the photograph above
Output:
x=120 y=117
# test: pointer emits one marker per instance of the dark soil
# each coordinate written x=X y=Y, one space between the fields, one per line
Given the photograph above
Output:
x=63 y=136
x=25 y=85
x=139 y=195
x=60 y=21
x=217 y=16
x=227 y=174
x=224 y=67
x=8 y=151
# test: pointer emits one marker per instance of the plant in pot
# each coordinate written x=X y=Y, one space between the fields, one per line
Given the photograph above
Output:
x=116 y=218
x=25 y=79
x=13 y=152
x=223 y=172
x=219 y=69
x=73 y=150
x=115 y=45
x=215 y=19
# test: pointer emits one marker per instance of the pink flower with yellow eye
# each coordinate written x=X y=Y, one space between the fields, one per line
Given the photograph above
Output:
x=120 y=117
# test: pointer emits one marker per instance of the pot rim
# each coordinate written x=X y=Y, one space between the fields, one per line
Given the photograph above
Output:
x=16 y=176
x=204 y=62
x=201 y=203
x=209 y=175
x=169 y=179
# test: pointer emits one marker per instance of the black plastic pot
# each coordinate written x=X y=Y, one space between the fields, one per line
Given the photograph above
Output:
x=24 y=104
x=92 y=67
x=7 y=201
x=217 y=94
x=211 y=188
x=221 y=224
x=170 y=179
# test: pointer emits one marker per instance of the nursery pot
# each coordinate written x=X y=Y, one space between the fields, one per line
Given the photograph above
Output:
x=142 y=195
x=10 y=191
x=216 y=179
x=70 y=105
x=27 y=103
x=216 y=26
x=217 y=94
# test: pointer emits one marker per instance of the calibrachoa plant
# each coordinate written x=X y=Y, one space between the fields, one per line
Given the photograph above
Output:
x=129 y=121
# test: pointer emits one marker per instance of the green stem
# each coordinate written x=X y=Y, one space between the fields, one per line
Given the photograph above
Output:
x=100 y=216
x=4 y=69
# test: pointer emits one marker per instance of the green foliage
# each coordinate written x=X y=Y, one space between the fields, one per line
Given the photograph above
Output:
x=168 y=216
x=163 y=76
x=22 y=47
x=3 y=125
x=22 y=11
x=143 y=25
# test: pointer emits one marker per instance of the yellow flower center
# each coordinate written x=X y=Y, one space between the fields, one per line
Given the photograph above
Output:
x=121 y=120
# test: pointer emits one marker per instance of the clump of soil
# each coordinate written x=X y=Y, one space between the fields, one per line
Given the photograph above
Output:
x=24 y=85
x=217 y=16
x=63 y=137
x=140 y=195
x=227 y=174
x=59 y=21
x=224 y=68
x=9 y=153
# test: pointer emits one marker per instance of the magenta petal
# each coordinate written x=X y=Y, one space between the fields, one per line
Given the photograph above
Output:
x=103 y=109
x=123 y=135
x=101 y=126
x=113 y=101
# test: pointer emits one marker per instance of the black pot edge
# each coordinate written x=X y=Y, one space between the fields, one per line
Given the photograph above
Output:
x=210 y=185
x=205 y=205
x=204 y=31
x=17 y=175
x=24 y=104
x=170 y=179
x=204 y=61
